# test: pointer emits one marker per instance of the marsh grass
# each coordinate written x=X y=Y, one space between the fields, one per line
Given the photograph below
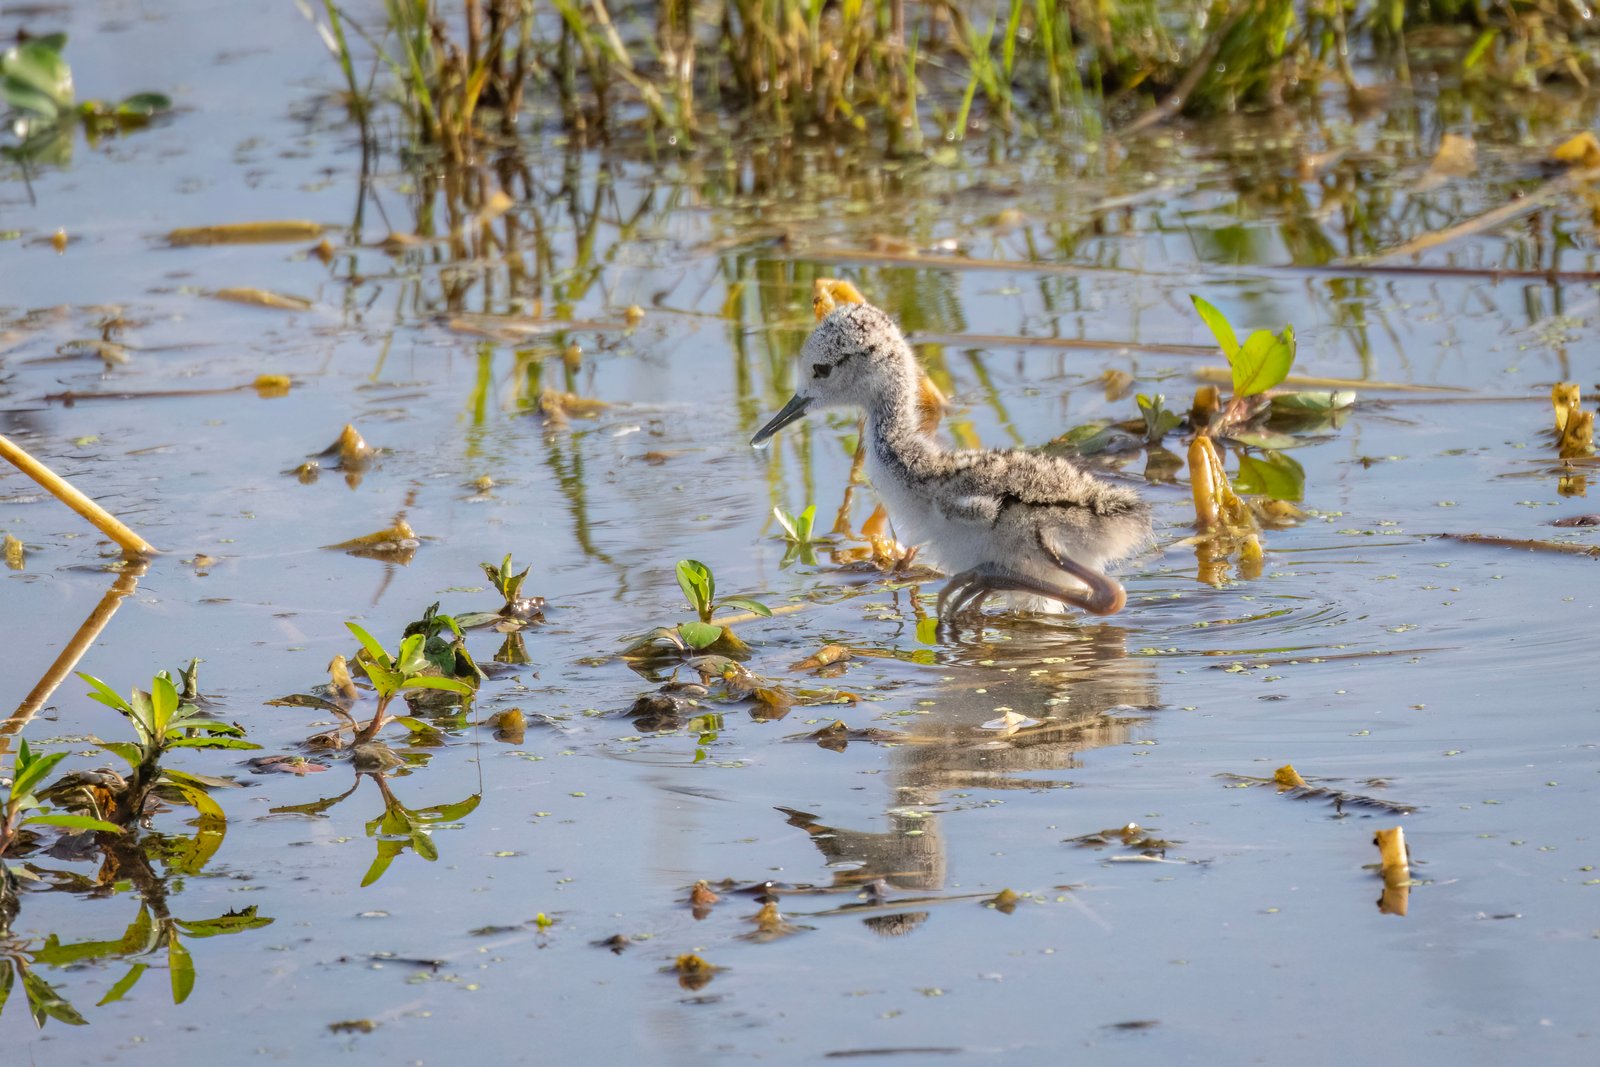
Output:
x=680 y=72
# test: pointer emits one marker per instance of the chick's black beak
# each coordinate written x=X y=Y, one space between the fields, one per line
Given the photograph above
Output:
x=794 y=409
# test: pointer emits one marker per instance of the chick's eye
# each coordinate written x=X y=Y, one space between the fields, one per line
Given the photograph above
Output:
x=821 y=370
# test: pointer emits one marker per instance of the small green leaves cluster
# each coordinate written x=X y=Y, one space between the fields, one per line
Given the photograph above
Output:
x=1264 y=359
x=507 y=583
x=797 y=529
x=163 y=720
x=699 y=587
x=800 y=533
x=410 y=668
x=34 y=80
x=27 y=778
x=36 y=89
x=1158 y=421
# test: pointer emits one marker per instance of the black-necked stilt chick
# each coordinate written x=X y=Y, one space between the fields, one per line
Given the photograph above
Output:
x=1002 y=521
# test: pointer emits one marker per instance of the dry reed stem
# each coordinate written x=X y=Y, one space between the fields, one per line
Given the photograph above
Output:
x=1565 y=184
x=64 y=491
x=1310 y=381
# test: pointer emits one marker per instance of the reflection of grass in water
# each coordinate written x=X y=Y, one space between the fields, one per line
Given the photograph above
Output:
x=571 y=227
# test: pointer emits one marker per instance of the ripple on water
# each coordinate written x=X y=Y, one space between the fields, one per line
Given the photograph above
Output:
x=1395 y=598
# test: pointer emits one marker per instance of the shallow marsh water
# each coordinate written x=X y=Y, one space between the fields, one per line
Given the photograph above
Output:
x=1369 y=649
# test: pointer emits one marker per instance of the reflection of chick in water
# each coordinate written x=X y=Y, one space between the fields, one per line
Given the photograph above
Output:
x=951 y=749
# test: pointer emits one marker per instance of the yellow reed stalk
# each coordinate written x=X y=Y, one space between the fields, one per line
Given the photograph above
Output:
x=1202 y=481
x=64 y=491
x=1565 y=397
x=1574 y=426
x=1396 y=865
x=1394 y=857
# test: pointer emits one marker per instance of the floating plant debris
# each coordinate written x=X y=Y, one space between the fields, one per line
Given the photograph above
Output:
x=270 y=232
x=1288 y=782
x=262 y=298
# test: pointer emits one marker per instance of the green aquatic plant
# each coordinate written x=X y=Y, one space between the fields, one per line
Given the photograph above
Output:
x=432 y=659
x=702 y=634
x=35 y=80
x=1246 y=59
x=1155 y=421
x=1272 y=474
x=425 y=660
x=37 y=91
x=162 y=720
x=699 y=587
x=799 y=531
x=21 y=807
x=110 y=803
x=507 y=583
x=21 y=797
x=444 y=647
x=1158 y=421
x=446 y=85
x=516 y=611
x=461 y=74
x=1260 y=363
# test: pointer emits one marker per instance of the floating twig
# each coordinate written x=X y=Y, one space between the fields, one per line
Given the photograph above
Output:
x=937 y=261
x=268 y=385
x=747 y=616
x=1290 y=784
x=244 y=294
x=1089 y=344
x=1460 y=398
x=1225 y=374
x=1565 y=184
x=1420 y=270
x=246 y=233
x=1526 y=544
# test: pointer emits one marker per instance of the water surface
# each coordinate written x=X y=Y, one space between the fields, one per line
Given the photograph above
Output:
x=1370 y=651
